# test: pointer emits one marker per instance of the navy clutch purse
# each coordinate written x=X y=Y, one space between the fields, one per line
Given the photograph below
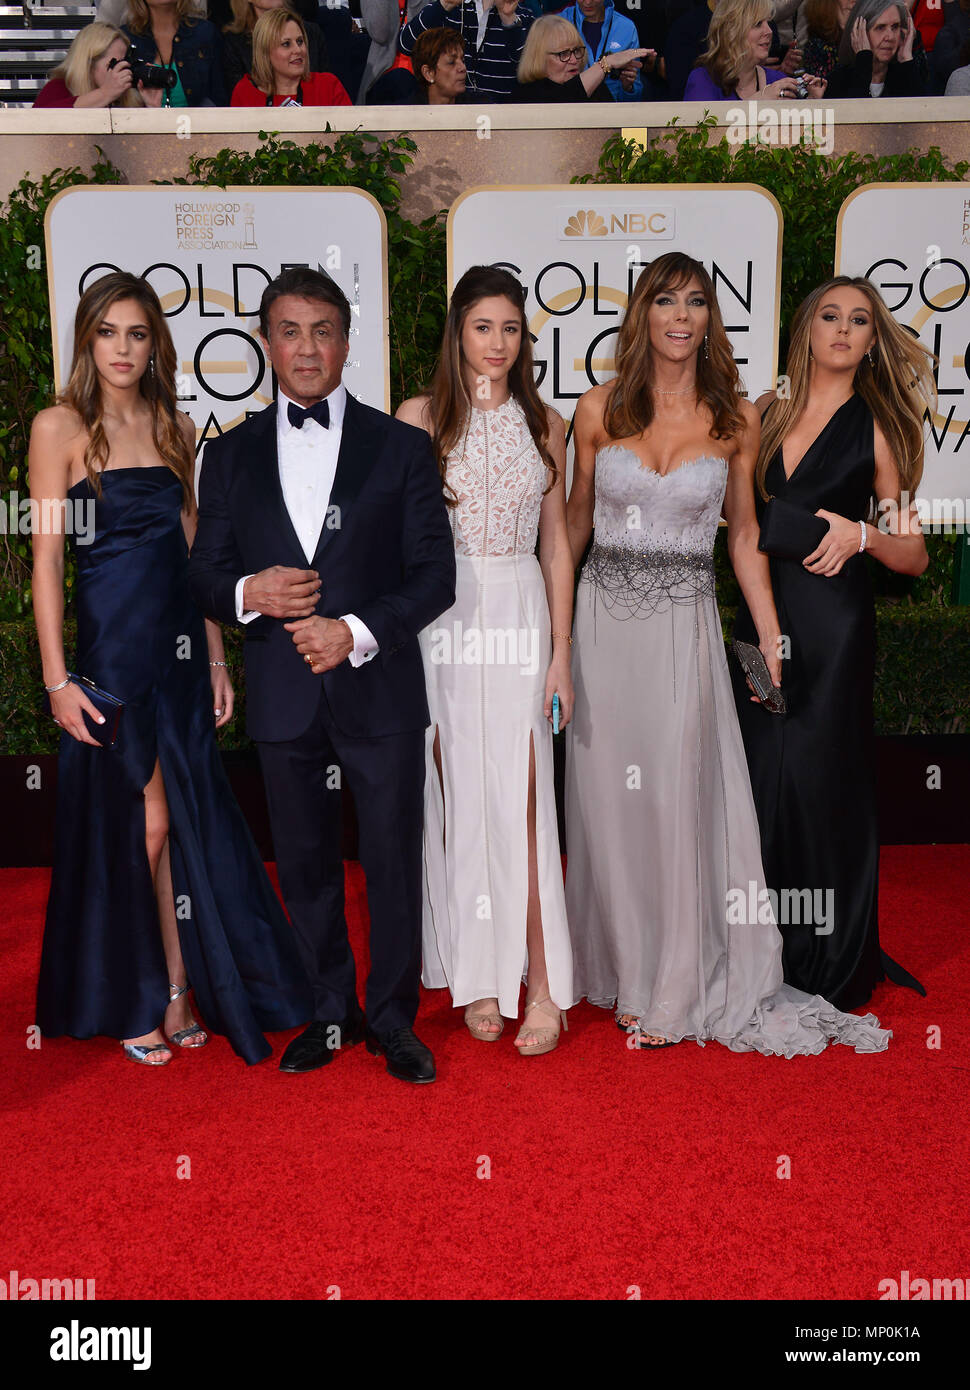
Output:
x=790 y=532
x=108 y=706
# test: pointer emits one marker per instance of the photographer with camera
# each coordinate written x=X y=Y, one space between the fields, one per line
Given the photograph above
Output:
x=165 y=33
x=96 y=73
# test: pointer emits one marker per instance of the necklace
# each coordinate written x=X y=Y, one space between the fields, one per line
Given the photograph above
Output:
x=689 y=389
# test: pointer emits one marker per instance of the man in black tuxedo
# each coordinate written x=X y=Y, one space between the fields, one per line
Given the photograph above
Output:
x=323 y=529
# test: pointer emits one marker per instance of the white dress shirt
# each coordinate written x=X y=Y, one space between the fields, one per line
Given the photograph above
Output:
x=308 y=463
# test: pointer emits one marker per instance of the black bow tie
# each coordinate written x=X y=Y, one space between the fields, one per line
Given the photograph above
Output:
x=319 y=412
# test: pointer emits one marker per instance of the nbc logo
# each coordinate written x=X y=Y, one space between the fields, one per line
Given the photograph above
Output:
x=617 y=222
x=585 y=224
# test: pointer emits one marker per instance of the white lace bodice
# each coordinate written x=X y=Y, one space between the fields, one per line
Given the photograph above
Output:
x=498 y=477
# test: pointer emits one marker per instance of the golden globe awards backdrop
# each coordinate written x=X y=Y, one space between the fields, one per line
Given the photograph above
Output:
x=912 y=240
x=209 y=253
x=579 y=248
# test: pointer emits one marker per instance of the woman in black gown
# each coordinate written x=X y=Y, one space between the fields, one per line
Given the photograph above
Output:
x=849 y=431
x=156 y=879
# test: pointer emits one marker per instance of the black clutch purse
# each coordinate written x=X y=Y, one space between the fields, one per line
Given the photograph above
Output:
x=108 y=706
x=790 y=532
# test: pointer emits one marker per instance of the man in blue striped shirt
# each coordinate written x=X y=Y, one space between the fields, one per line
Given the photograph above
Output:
x=494 y=35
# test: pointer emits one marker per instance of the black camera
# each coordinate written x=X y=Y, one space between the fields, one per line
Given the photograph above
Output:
x=149 y=73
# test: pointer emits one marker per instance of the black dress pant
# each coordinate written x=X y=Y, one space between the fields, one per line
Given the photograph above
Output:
x=386 y=778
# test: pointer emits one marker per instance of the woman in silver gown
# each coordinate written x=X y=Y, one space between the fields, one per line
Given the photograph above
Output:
x=665 y=894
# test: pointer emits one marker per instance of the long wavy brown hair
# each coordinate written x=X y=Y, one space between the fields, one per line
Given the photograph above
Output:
x=630 y=407
x=83 y=390
x=139 y=16
x=897 y=385
x=450 y=403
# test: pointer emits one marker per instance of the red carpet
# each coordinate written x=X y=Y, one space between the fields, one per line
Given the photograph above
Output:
x=608 y=1168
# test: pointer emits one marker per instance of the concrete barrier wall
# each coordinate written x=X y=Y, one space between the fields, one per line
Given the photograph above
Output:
x=458 y=147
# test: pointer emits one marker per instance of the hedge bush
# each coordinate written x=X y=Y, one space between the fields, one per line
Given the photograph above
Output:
x=914 y=693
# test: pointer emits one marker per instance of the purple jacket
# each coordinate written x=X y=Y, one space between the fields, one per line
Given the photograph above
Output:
x=702 y=87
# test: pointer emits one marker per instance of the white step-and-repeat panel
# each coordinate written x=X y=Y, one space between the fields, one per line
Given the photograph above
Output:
x=579 y=248
x=209 y=254
x=912 y=240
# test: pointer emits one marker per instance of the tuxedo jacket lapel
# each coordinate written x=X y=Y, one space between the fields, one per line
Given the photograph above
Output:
x=269 y=508
x=360 y=440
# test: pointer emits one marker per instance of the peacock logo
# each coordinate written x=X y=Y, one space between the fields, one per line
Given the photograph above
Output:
x=585 y=223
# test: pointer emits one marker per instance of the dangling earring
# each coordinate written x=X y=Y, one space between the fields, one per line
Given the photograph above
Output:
x=704 y=346
x=151 y=367
x=872 y=360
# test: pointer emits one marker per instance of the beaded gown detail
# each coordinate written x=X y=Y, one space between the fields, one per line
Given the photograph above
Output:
x=664 y=884
x=485 y=663
x=140 y=637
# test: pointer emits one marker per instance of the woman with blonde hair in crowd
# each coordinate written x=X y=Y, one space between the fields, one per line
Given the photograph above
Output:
x=554 y=65
x=168 y=33
x=237 y=39
x=738 y=43
x=281 y=73
x=95 y=74
x=850 y=431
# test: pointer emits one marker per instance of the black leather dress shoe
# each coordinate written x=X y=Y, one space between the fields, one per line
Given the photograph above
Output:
x=318 y=1044
x=407 y=1057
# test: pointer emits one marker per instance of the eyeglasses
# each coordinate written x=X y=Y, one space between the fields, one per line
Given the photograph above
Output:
x=568 y=53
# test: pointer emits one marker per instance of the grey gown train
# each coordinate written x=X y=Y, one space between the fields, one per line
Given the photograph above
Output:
x=664 y=882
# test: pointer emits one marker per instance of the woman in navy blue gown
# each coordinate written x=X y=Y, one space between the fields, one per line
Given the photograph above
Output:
x=156 y=880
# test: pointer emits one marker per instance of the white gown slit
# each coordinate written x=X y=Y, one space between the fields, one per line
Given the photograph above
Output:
x=485 y=666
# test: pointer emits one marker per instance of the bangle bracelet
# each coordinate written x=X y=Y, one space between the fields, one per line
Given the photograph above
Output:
x=564 y=635
x=219 y=663
x=51 y=688
x=863 y=538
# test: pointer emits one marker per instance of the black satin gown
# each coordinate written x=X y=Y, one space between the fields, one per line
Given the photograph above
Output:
x=813 y=769
x=141 y=638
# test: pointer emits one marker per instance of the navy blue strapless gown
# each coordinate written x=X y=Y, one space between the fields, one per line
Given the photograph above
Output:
x=141 y=637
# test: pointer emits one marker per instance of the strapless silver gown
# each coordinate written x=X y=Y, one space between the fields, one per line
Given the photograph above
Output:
x=664 y=857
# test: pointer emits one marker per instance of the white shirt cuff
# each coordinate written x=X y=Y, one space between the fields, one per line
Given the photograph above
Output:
x=365 y=643
x=240 y=614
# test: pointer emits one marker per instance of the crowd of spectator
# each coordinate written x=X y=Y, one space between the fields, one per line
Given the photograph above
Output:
x=396 y=52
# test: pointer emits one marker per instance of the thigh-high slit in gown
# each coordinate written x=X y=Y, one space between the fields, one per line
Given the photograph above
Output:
x=140 y=637
x=485 y=663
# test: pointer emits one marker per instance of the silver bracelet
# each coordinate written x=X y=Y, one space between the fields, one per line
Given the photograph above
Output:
x=219 y=663
x=862 y=542
x=51 y=688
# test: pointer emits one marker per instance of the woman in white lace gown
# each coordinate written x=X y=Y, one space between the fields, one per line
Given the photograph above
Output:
x=665 y=888
x=494 y=906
